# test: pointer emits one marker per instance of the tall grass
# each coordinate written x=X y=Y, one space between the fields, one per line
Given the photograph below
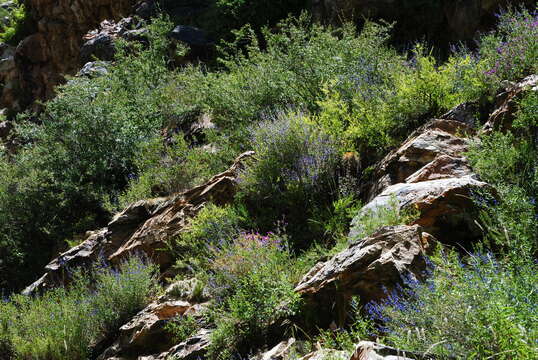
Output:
x=64 y=323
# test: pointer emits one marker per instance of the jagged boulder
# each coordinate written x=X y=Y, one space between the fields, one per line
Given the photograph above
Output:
x=429 y=173
x=145 y=333
x=193 y=348
x=94 y=69
x=446 y=207
x=8 y=76
x=439 y=137
x=367 y=350
x=367 y=268
x=281 y=351
x=142 y=228
x=323 y=354
x=507 y=104
x=99 y=43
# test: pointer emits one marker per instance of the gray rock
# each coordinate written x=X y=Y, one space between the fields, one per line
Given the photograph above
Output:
x=446 y=206
x=191 y=36
x=94 y=69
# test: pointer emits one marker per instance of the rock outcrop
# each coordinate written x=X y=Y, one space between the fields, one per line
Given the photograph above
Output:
x=41 y=60
x=507 y=104
x=368 y=268
x=142 y=228
x=429 y=173
x=145 y=335
x=439 y=137
x=367 y=350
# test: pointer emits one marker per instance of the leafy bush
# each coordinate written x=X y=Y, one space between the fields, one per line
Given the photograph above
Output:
x=80 y=152
x=64 y=323
x=294 y=172
x=391 y=98
x=168 y=168
x=14 y=24
x=182 y=327
x=509 y=162
x=365 y=223
x=284 y=68
x=212 y=226
x=252 y=281
x=511 y=52
x=450 y=316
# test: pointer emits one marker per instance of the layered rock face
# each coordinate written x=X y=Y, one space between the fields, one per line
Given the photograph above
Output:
x=429 y=173
x=40 y=61
x=440 y=20
x=369 y=268
x=142 y=228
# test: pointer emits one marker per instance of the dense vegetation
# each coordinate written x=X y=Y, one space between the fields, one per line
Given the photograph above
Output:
x=65 y=322
x=301 y=95
x=14 y=24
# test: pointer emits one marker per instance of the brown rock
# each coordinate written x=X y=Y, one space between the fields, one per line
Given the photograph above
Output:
x=507 y=104
x=281 y=351
x=443 y=167
x=368 y=268
x=193 y=348
x=44 y=57
x=446 y=206
x=145 y=333
x=34 y=49
x=437 y=138
x=142 y=228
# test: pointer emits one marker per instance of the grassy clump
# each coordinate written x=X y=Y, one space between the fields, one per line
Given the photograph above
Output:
x=252 y=282
x=65 y=323
x=294 y=173
x=450 y=316
x=366 y=222
x=212 y=226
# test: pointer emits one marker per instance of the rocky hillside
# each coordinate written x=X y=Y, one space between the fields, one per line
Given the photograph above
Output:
x=314 y=189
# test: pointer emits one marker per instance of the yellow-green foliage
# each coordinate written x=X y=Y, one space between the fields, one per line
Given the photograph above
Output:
x=212 y=226
x=378 y=117
x=16 y=19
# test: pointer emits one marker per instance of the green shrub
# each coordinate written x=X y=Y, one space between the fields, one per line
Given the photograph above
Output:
x=167 y=168
x=182 y=327
x=64 y=323
x=81 y=151
x=392 y=99
x=294 y=173
x=252 y=280
x=509 y=162
x=511 y=52
x=15 y=28
x=365 y=223
x=212 y=226
x=284 y=68
x=450 y=316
